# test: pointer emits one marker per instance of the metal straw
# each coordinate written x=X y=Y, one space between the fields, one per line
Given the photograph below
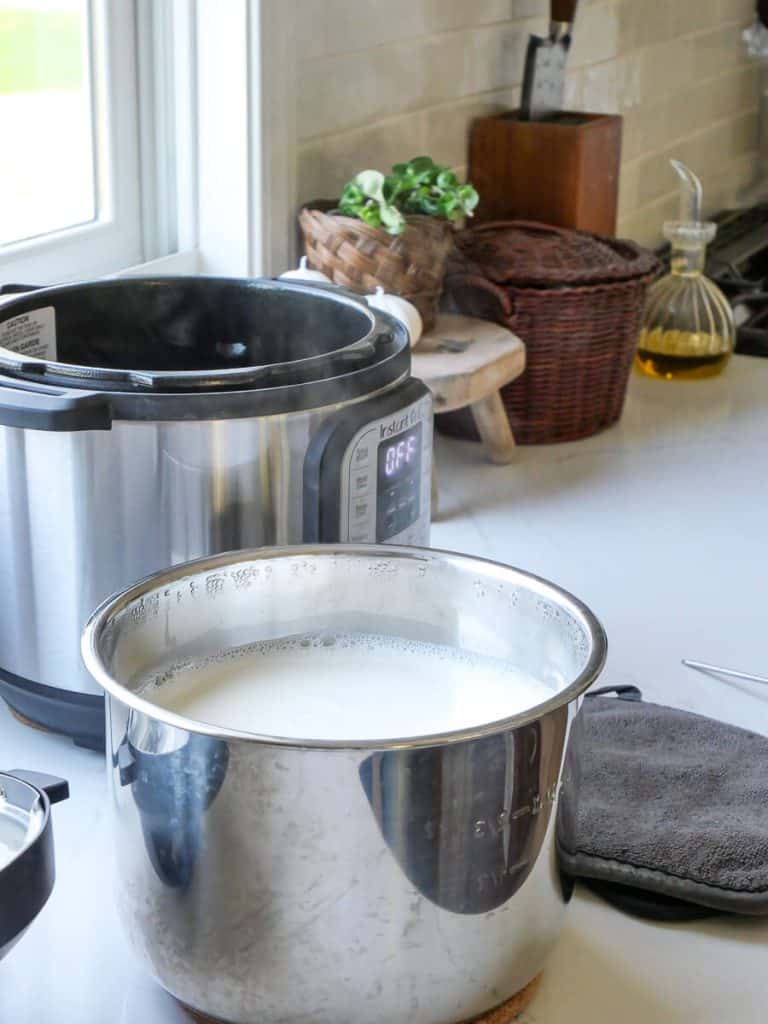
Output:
x=702 y=666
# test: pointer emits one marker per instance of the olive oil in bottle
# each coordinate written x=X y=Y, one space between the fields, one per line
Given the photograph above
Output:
x=688 y=331
x=658 y=354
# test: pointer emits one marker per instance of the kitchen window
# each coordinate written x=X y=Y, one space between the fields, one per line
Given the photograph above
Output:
x=145 y=136
x=69 y=179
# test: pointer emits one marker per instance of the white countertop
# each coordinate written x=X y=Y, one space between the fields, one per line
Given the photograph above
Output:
x=659 y=525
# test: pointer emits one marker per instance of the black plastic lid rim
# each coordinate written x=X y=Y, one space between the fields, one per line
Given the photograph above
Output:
x=378 y=360
x=27 y=880
x=80 y=375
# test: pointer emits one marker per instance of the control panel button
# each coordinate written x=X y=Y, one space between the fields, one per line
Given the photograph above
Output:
x=361 y=534
x=361 y=457
x=361 y=482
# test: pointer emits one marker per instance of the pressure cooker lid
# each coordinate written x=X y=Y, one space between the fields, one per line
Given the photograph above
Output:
x=191 y=334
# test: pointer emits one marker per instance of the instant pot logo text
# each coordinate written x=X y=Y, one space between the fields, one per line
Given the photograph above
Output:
x=397 y=426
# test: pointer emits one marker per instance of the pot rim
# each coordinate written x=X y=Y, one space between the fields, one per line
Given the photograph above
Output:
x=113 y=605
x=254 y=377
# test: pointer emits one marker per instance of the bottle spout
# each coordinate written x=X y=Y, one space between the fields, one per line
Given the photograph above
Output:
x=690 y=193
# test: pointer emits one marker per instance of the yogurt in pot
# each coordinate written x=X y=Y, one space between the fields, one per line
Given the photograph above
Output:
x=337 y=686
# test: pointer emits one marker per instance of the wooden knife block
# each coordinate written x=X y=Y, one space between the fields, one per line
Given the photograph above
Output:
x=563 y=171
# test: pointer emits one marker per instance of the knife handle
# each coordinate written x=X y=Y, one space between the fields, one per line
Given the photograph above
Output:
x=563 y=10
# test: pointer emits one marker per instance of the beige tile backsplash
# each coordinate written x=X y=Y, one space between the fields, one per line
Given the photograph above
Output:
x=380 y=82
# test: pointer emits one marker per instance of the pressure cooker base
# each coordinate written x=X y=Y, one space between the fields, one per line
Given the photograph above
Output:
x=79 y=715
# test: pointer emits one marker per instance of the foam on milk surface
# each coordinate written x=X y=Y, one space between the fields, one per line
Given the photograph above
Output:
x=345 y=687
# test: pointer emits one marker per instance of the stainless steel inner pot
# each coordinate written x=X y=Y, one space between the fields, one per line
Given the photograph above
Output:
x=272 y=880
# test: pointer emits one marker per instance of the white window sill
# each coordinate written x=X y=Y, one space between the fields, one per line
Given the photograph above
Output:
x=182 y=263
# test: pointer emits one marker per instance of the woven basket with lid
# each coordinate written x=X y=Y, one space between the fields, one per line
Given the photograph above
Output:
x=361 y=257
x=575 y=299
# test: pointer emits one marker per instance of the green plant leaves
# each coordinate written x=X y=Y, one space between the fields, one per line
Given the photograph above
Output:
x=370 y=183
x=351 y=195
x=447 y=180
x=392 y=219
x=469 y=198
x=370 y=214
x=418 y=187
x=368 y=197
x=421 y=167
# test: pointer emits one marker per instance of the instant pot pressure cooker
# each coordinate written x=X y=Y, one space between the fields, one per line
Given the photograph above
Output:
x=144 y=422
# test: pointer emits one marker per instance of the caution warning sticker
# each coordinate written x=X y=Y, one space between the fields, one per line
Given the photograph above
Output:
x=32 y=334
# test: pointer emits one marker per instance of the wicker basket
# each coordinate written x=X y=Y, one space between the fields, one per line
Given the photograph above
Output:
x=576 y=300
x=360 y=257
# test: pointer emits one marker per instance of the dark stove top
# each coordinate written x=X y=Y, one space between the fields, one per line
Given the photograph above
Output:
x=737 y=260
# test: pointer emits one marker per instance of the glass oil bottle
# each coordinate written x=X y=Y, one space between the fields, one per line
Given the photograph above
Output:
x=688 y=329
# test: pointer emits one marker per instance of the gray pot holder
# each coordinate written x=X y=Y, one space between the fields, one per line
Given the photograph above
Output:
x=666 y=815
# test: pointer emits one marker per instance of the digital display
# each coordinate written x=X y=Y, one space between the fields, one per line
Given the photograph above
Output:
x=398 y=499
x=399 y=455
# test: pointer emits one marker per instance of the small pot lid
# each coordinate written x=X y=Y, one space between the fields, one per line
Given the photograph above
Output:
x=528 y=254
x=23 y=814
x=26 y=849
x=26 y=878
x=18 y=828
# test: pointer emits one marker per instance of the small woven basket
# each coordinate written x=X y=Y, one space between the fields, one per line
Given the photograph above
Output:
x=576 y=300
x=361 y=258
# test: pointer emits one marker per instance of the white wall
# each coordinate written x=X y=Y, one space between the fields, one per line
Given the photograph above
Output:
x=383 y=80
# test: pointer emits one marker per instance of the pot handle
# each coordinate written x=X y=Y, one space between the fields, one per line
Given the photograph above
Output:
x=27 y=405
x=475 y=295
x=55 y=789
x=533 y=226
x=624 y=692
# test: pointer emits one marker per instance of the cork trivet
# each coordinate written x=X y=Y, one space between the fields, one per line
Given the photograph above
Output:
x=513 y=1007
x=199 y=1017
x=504 y=1014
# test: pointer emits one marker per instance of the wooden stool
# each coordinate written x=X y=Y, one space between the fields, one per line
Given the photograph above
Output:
x=464 y=361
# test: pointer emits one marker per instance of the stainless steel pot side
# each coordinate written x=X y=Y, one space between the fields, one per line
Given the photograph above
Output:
x=281 y=880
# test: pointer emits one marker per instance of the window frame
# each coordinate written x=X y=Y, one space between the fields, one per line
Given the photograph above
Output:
x=246 y=66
